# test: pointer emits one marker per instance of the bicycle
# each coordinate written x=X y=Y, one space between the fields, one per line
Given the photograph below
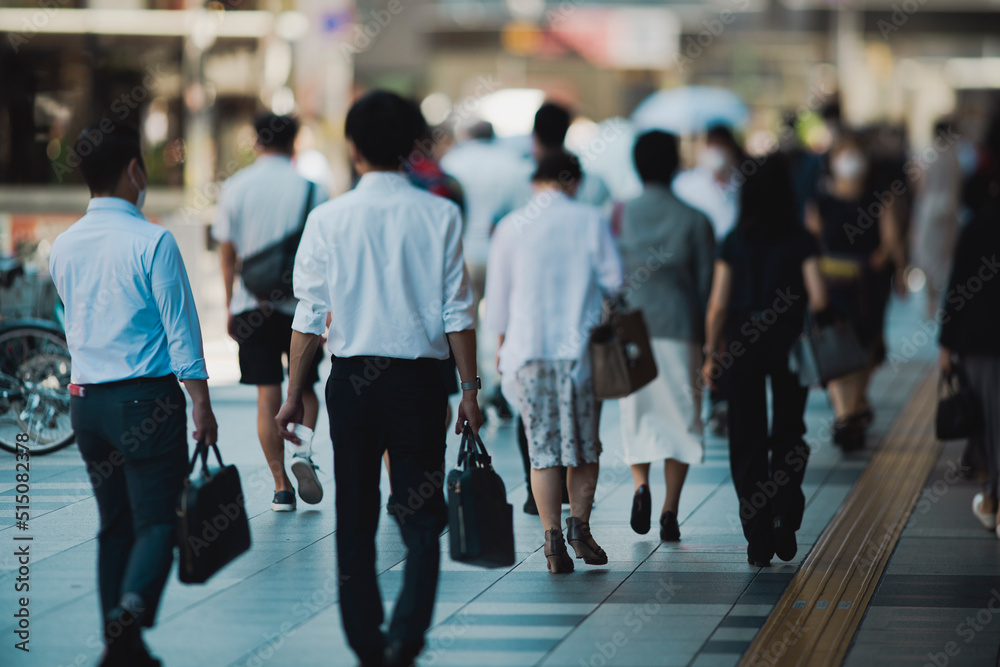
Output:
x=34 y=365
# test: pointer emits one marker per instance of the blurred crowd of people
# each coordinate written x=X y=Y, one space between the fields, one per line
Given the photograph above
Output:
x=709 y=253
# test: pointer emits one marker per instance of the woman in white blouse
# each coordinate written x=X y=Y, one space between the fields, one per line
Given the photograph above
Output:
x=551 y=263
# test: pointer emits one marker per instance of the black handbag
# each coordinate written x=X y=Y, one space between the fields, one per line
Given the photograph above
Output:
x=958 y=413
x=213 y=528
x=268 y=274
x=621 y=356
x=824 y=353
x=480 y=520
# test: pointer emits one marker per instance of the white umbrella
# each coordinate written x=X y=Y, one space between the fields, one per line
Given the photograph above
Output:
x=689 y=110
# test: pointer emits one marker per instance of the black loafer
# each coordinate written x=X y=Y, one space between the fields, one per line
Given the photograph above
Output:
x=785 y=546
x=670 y=531
x=642 y=503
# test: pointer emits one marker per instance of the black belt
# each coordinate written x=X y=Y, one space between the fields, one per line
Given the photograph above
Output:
x=420 y=362
x=135 y=382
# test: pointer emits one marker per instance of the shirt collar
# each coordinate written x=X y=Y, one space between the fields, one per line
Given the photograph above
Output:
x=383 y=180
x=113 y=204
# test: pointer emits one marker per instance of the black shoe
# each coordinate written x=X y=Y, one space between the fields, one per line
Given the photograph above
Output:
x=785 y=546
x=497 y=400
x=642 y=503
x=670 y=531
x=123 y=638
x=529 y=505
x=758 y=563
x=401 y=654
x=284 y=501
x=849 y=434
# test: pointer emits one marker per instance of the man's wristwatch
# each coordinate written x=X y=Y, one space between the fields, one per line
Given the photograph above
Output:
x=476 y=384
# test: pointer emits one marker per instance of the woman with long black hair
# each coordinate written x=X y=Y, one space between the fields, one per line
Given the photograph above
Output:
x=766 y=272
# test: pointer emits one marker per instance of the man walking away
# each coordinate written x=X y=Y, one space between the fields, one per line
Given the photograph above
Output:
x=386 y=260
x=258 y=207
x=132 y=331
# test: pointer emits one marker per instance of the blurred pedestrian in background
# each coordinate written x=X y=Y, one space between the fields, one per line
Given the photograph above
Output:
x=855 y=223
x=970 y=329
x=550 y=265
x=806 y=165
x=127 y=354
x=936 y=219
x=385 y=259
x=668 y=252
x=485 y=170
x=713 y=187
x=764 y=269
x=258 y=207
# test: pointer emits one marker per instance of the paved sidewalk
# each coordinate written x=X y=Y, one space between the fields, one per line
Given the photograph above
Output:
x=697 y=602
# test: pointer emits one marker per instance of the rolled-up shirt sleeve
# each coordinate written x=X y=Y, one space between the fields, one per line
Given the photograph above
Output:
x=457 y=297
x=309 y=281
x=178 y=314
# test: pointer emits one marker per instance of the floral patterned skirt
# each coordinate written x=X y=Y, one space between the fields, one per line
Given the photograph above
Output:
x=560 y=415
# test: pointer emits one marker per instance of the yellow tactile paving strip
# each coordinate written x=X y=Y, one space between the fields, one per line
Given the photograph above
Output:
x=815 y=620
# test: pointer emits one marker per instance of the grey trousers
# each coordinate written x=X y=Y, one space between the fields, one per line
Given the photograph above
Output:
x=984 y=380
x=132 y=436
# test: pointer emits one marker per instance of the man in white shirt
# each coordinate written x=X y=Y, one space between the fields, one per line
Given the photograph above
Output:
x=132 y=331
x=386 y=261
x=258 y=207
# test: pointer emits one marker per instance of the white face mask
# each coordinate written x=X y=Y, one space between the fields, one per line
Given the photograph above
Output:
x=848 y=165
x=713 y=159
x=141 y=197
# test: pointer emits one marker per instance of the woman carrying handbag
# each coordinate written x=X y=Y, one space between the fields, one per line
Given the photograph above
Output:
x=550 y=265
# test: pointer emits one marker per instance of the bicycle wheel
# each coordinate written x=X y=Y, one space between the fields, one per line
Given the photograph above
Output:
x=34 y=389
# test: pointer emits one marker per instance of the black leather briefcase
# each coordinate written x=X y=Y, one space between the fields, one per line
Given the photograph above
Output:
x=480 y=520
x=213 y=528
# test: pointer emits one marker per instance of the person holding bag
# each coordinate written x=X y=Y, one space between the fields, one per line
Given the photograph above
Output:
x=970 y=335
x=133 y=332
x=662 y=421
x=550 y=265
x=766 y=273
x=386 y=260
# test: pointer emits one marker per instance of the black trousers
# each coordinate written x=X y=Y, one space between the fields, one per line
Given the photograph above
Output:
x=377 y=404
x=132 y=436
x=767 y=462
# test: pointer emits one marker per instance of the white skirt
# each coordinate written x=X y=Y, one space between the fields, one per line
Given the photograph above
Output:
x=663 y=419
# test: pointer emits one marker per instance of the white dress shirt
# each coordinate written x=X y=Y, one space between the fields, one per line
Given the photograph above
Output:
x=129 y=308
x=258 y=206
x=551 y=263
x=485 y=170
x=698 y=189
x=386 y=260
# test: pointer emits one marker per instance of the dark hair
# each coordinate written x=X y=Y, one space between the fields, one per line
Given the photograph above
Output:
x=551 y=124
x=560 y=166
x=723 y=134
x=105 y=150
x=656 y=157
x=767 y=199
x=384 y=127
x=482 y=130
x=276 y=132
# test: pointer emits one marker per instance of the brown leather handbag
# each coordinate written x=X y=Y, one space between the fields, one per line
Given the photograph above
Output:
x=621 y=356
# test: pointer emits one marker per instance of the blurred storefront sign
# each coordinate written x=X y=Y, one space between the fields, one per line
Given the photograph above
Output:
x=621 y=37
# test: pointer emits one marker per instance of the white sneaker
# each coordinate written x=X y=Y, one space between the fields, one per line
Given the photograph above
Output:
x=988 y=519
x=310 y=490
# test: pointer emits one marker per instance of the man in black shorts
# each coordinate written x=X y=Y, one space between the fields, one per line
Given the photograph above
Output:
x=258 y=207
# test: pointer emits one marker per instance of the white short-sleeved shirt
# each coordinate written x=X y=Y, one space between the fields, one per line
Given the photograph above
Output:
x=258 y=206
